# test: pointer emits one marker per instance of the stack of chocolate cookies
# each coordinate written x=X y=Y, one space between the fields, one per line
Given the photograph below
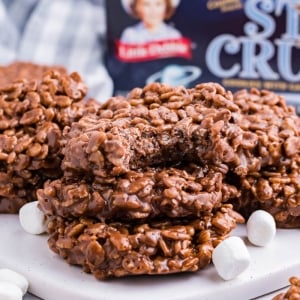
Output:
x=139 y=192
x=150 y=182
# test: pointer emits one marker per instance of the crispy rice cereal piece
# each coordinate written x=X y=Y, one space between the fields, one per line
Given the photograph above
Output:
x=293 y=293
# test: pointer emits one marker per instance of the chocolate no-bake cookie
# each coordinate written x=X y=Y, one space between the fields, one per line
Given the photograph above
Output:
x=184 y=191
x=293 y=292
x=33 y=115
x=157 y=247
x=160 y=125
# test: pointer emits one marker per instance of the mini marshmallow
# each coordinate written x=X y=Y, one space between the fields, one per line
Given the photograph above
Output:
x=10 y=291
x=231 y=258
x=261 y=228
x=7 y=275
x=32 y=218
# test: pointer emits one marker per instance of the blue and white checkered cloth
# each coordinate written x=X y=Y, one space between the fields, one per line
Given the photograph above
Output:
x=70 y=33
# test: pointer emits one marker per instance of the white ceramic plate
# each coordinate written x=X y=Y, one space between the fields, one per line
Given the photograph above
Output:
x=52 y=278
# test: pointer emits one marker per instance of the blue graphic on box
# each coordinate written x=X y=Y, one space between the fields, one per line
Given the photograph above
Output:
x=175 y=75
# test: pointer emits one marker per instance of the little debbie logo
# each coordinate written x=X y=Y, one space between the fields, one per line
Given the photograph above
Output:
x=154 y=50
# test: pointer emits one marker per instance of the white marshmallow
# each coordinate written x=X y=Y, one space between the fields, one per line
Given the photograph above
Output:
x=10 y=291
x=7 y=275
x=231 y=257
x=32 y=218
x=261 y=228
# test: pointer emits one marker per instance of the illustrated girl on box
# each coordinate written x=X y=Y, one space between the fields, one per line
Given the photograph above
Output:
x=152 y=26
x=151 y=49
